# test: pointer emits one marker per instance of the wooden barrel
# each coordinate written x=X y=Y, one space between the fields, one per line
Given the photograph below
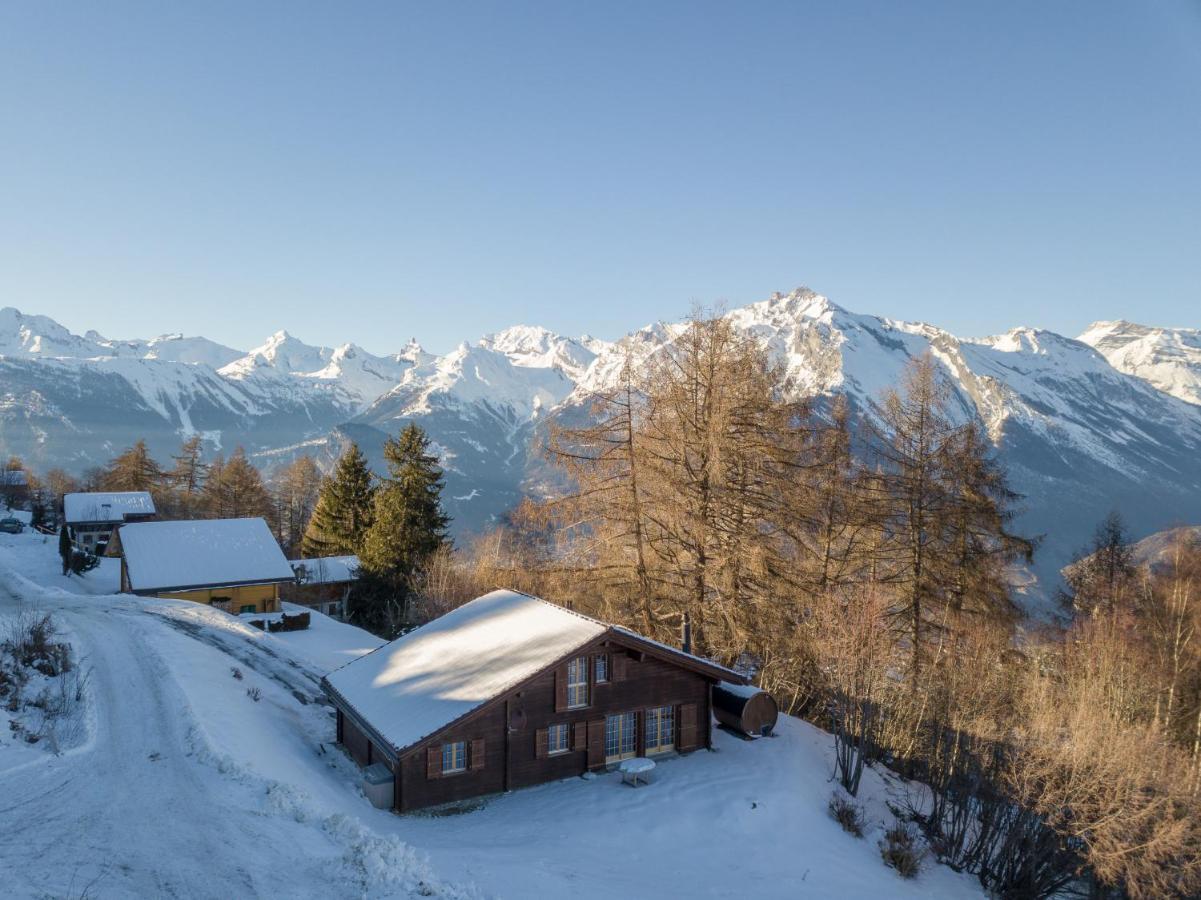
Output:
x=745 y=708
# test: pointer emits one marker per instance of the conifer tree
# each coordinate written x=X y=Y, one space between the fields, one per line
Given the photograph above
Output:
x=234 y=489
x=133 y=470
x=343 y=511
x=407 y=528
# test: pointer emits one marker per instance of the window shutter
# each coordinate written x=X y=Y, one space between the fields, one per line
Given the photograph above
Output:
x=580 y=736
x=477 y=754
x=687 y=720
x=617 y=662
x=596 y=743
x=561 y=689
x=433 y=762
x=541 y=740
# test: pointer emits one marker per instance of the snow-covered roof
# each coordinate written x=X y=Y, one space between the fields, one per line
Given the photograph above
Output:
x=107 y=506
x=162 y=556
x=423 y=681
x=428 y=678
x=326 y=569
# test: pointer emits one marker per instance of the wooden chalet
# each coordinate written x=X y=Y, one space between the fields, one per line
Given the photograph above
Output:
x=93 y=516
x=509 y=691
x=233 y=564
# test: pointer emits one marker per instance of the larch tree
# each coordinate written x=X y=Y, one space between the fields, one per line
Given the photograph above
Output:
x=607 y=505
x=294 y=494
x=343 y=510
x=134 y=470
x=188 y=474
x=234 y=489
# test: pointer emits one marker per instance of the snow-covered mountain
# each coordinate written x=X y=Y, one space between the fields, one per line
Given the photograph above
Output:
x=1169 y=358
x=1084 y=426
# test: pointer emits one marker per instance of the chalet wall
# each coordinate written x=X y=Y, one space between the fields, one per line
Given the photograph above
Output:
x=263 y=597
x=418 y=790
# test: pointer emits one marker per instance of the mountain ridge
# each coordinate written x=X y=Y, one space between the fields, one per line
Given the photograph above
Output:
x=1088 y=419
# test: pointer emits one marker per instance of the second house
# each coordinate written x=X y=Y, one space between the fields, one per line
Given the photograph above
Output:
x=232 y=564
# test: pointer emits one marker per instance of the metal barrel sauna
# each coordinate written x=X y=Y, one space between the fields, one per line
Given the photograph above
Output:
x=745 y=708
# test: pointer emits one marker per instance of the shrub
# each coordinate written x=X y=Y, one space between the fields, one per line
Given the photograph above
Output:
x=847 y=813
x=254 y=694
x=902 y=850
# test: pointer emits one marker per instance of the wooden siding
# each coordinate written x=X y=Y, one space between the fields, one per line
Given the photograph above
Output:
x=511 y=758
x=263 y=597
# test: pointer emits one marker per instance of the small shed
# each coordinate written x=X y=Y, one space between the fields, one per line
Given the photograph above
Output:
x=233 y=564
x=323 y=583
x=745 y=708
x=93 y=516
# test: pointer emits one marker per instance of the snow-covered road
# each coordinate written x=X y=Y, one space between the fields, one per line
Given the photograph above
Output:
x=144 y=805
x=121 y=813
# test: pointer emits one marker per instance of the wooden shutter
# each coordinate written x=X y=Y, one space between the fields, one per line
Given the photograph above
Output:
x=477 y=754
x=541 y=740
x=596 y=743
x=561 y=689
x=579 y=736
x=687 y=722
x=433 y=762
x=618 y=663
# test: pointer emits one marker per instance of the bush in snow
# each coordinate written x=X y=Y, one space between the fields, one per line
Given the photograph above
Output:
x=847 y=813
x=902 y=849
x=254 y=694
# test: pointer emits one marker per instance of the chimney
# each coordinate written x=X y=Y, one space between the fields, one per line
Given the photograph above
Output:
x=686 y=633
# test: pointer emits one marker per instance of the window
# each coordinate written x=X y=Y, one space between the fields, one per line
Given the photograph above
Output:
x=660 y=729
x=248 y=608
x=602 y=669
x=454 y=757
x=557 y=740
x=577 y=682
x=621 y=737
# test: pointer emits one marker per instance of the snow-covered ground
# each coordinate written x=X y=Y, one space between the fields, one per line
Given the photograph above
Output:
x=209 y=770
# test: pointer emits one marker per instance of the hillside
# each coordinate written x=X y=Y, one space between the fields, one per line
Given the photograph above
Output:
x=182 y=784
x=1083 y=426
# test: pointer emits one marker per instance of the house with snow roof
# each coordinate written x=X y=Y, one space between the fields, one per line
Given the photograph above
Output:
x=92 y=516
x=233 y=564
x=509 y=691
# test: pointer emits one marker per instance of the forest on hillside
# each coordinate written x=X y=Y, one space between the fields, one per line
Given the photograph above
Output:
x=859 y=570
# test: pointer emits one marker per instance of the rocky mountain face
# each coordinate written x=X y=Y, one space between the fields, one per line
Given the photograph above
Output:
x=1111 y=420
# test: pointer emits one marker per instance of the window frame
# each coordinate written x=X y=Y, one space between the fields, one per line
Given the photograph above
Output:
x=449 y=751
x=551 y=730
x=657 y=717
x=579 y=687
x=601 y=663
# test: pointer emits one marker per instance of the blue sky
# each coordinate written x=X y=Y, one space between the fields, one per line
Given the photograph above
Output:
x=372 y=172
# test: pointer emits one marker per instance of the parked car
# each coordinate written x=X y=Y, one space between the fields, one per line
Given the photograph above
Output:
x=11 y=526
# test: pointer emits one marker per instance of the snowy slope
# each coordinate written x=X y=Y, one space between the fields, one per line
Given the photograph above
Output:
x=188 y=786
x=1168 y=358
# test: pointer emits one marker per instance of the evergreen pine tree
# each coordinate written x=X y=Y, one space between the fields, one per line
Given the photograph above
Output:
x=343 y=511
x=408 y=526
